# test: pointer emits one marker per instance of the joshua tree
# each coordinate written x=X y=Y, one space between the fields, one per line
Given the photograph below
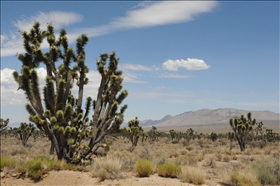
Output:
x=241 y=128
x=213 y=136
x=4 y=126
x=58 y=110
x=25 y=131
x=172 y=133
x=153 y=133
x=134 y=131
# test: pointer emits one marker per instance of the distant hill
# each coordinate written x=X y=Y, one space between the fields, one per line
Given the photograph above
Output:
x=209 y=117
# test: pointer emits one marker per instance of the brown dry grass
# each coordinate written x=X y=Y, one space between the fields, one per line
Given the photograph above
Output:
x=212 y=159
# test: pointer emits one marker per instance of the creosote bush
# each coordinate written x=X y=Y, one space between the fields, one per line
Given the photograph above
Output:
x=169 y=170
x=144 y=167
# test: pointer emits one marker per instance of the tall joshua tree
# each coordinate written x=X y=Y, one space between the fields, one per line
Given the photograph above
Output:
x=242 y=127
x=57 y=111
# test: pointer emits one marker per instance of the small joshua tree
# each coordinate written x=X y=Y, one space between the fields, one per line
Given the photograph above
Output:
x=57 y=110
x=242 y=127
x=25 y=131
x=134 y=131
x=153 y=133
x=4 y=125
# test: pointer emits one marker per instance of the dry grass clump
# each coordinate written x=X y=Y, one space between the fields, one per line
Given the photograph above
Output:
x=226 y=158
x=144 y=168
x=107 y=168
x=210 y=161
x=192 y=175
x=243 y=178
x=169 y=170
x=188 y=159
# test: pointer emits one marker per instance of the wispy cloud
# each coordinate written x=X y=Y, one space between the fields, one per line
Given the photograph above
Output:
x=130 y=77
x=164 y=12
x=146 y=14
x=12 y=43
x=138 y=67
x=169 y=75
x=58 y=19
x=142 y=4
x=189 y=64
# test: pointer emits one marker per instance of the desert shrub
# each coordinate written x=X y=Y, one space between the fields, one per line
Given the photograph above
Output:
x=226 y=158
x=169 y=170
x=189 y=159
x=7 y=162
x=218 y=156
x=267 y=171
x=35 y=169
x=243 y=178
x=102 y=174
x=111 y=165
x=210 y=162
x=192 y=175
x=144 y=167
x=234 y=157
x=175 y=141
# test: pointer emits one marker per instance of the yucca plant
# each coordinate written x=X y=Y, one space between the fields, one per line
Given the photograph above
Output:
x=56 y=110
x=242 y=127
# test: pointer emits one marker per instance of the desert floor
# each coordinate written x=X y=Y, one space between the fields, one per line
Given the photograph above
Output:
x=212 y=159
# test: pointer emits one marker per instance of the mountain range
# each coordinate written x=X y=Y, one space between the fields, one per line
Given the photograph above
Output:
x=208 y=117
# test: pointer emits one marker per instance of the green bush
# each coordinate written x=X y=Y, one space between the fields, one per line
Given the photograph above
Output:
x=144 y=167
x=7 y=162
x=169 y=170
x=35 y=169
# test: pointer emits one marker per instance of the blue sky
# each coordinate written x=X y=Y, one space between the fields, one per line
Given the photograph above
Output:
x=176 y=56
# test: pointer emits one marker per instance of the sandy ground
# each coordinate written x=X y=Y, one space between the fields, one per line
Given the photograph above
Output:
x=83 y=178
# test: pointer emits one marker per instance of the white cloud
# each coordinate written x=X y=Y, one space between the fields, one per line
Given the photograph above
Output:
x=57 y=18
x=189 y=64
x=130 y=77
x=9 y=93
x=137 y=67
x=142 y=4
x=169 y=75
x=164 y=12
